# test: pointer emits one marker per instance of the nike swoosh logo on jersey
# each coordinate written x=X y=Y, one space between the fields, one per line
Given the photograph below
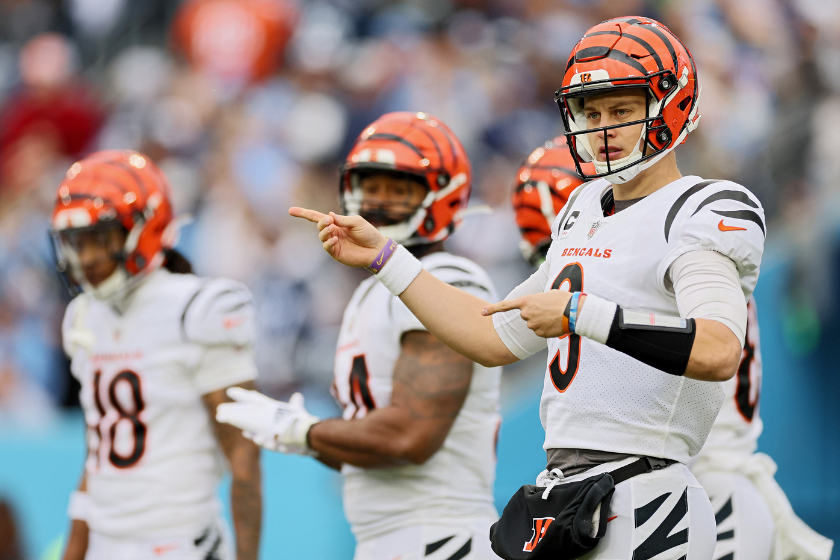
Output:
x=724 y=227
x=164 y=548
x=611 y=518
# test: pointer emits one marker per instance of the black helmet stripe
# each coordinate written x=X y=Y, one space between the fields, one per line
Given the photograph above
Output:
x=400 y=139
x=612 y=53
x=521 y=186
x=83 y=196
x=639 y=40
x=431 y=138
x=664 y=39
x=130 y=170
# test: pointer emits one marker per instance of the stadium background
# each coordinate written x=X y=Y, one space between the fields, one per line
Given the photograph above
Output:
x=249 y=105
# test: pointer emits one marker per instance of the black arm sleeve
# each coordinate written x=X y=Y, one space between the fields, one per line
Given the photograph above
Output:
x=665 y=348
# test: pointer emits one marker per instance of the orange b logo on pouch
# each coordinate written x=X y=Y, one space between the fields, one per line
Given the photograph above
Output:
x=540 y=527
x=585 y=78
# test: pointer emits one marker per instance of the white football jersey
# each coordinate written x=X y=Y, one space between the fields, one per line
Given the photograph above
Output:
x=153 y=461
x=595 y=397
x=738 y=423
x=456 y=484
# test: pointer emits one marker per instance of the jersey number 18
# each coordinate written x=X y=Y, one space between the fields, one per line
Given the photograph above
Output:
x=132 y=416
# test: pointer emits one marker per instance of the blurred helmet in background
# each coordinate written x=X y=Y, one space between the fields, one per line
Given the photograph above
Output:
x=236 y=41
x=424 y=149
x=543 y=184
x=622 y=53
x=113 y=189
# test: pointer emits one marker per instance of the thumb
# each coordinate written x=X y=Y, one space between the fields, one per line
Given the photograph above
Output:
x=248 y=396
x=296 y=401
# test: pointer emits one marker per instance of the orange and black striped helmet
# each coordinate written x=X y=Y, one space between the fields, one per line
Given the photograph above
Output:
x=116 y=187
x=421 y=146
x=543 y=184
x=630 y=52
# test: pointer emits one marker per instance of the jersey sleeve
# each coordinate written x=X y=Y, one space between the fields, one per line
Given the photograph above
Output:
x=455 y=271
x=511 y=328
x=723 y=217
x=75 y=333
x=220 y=317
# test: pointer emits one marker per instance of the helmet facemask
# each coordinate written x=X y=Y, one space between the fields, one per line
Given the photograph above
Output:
x=396 y=218
x=655 y=139
x=67 y=242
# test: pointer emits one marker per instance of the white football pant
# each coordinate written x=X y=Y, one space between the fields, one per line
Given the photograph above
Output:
x=744 y=522
x=431 y=542
x=214 y=543
x=661 y=515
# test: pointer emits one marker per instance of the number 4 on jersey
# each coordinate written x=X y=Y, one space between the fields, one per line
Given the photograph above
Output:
x=360 y=392
x=572 y=275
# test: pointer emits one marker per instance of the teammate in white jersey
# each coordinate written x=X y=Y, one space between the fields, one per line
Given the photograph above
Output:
x=667 y=264
x=754 y=518
x=416 y=443
x=738 y=481
x=154 y=348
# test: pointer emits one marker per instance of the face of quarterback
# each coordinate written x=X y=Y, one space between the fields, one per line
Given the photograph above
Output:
x=97 y=250
x=613 y=108
x=389 y=198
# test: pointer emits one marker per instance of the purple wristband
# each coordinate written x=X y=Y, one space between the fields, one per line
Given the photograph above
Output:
x=386 y=253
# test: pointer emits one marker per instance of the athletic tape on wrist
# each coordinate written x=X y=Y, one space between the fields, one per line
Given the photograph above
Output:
x=400 y=271
x=382 y=258
x=595 y=319
x=79 y=505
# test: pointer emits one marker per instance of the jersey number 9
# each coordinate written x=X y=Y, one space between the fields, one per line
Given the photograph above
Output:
x=572 y=276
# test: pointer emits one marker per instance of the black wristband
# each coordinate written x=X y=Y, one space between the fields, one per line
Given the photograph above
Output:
x=664 y=348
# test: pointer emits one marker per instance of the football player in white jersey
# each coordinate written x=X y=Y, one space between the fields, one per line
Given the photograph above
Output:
x=727 y=465
x=667 y=263
x=754 y=518
x=154 y=348
x=416 y=443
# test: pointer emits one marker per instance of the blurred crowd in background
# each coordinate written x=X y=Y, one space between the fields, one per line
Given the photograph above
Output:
x=250 y=105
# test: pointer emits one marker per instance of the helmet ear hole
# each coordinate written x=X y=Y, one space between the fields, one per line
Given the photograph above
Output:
x=683 y=105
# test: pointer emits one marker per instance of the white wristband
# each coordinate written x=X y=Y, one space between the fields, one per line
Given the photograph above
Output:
x=595 y=319
x=400 y=271
x=79 y=506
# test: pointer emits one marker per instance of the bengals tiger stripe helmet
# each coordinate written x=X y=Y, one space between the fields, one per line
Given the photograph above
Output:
x=630 y=52
x=113 y=188
x=423 y=148
x=543 y=184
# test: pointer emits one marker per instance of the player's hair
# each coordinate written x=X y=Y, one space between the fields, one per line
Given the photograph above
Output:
x=176 y=262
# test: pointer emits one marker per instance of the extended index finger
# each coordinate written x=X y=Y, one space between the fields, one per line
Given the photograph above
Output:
x=306 y=214
x=504 y=305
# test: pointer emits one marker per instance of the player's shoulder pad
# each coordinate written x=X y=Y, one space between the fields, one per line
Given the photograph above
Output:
x=720 y=216
x=73 y=323
x=461 y=273
x=220 y=312
x=567 y=209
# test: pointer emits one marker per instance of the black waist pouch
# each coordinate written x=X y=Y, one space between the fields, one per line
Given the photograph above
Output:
x=559 y=526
